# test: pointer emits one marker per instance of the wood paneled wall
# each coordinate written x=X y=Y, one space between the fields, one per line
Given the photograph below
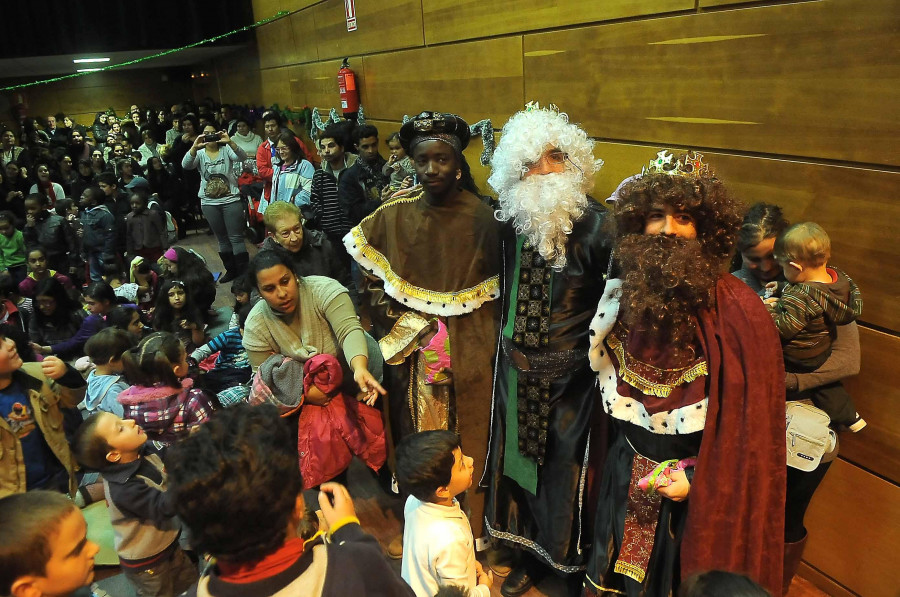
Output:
x=83 y=97
x=792 y=103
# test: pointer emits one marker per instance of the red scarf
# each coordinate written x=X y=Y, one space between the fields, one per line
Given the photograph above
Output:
x=274 y=563
x=741 y=469
x=47 y=188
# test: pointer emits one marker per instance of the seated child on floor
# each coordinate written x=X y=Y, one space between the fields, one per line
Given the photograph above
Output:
x=232 y=365
x=243 y=295
x=816 y=299
x=45 y=550
x=243 y=501
x=141 y=512
x=438 y=546
x=105 y=382
x=128 y=319
x=161 y=398
x=177 y=313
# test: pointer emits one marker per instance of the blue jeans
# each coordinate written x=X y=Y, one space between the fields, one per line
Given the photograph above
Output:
x=95 y=260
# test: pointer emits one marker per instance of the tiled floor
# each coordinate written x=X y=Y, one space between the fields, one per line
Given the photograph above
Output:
x=381 y=514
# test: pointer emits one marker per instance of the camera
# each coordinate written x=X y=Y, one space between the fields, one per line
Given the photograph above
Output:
x=210 y=137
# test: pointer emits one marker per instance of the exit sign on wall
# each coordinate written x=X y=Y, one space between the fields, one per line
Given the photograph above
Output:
x=350 y=10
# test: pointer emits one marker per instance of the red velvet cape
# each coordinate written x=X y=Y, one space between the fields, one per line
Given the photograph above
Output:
x=736 y=516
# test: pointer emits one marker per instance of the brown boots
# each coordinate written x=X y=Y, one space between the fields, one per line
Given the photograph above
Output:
x=793 y=553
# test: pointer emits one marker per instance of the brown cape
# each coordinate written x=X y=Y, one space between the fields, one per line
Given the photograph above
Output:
x=441 y=260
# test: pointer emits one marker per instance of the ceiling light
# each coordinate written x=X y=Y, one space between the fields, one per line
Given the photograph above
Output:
x=80 y=60
x=88 y=70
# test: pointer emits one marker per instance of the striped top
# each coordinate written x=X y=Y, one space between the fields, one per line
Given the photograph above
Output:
x=329 y=217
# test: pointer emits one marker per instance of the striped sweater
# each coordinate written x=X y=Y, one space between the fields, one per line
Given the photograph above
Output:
x=328 y=215
x=807 y=314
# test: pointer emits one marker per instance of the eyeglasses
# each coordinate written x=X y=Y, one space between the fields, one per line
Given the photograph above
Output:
x=554 y=158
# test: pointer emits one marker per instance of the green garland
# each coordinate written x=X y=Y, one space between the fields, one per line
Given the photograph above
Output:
x=287 y=114
x=276 y=16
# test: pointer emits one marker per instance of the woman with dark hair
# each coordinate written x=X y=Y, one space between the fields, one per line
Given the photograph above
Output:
x=13 y=189
x=299 y=318
x=34 y=138
x=84 y=177
x=46 y=187
x=98 y=164
x=181 y=264
x=100 y=128
x=190 y=127
x=66 y=174
x=57 y=318
x=214 y=155
x=763 y=223
x=292 y=178
x=246 y=138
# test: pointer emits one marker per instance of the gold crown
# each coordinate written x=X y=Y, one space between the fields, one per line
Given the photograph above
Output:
x=690 y=166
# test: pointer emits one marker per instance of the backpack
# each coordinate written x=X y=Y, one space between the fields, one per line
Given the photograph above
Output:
x=171 y=224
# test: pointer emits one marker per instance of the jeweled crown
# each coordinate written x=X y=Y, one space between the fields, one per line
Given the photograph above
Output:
x=690 y=166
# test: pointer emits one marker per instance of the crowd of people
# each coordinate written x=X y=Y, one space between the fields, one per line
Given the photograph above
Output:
x=553 y=384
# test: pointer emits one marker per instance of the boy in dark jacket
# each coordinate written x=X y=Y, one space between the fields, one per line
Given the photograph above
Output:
x=99 y=230
x=47 y=229
x=242 y=466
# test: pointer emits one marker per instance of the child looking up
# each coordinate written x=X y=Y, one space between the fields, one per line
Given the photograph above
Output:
x=105 y=382
x=57 y=318
x=12 y=247
x=142 y=515
x=163 y=404
x=37 y=262
x=99 y=298
x=45 y=549
x=438 y=547
x=816 y=299
x=175 y=312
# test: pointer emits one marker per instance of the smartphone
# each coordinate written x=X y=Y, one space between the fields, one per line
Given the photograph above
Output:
x=210 y=137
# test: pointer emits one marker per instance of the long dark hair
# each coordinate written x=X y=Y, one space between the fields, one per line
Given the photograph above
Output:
x=65 y=305
x=164 y=316
x=151 y=361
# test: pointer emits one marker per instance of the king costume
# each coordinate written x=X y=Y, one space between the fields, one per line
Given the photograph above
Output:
x=423 y=262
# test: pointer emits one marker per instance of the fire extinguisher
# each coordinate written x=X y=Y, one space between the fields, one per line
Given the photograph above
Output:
x=348 y=90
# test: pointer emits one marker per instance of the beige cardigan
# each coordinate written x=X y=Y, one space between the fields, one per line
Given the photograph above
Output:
x=325 y=322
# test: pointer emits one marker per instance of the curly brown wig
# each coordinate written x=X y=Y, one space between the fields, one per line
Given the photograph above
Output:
x=667 y=280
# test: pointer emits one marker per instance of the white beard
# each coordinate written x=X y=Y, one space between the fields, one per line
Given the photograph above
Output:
x=543 y=208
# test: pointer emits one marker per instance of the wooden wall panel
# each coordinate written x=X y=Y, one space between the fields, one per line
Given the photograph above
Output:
x=714 y=3
x=810 y=79
x=306 y=46
x=240 y=88
x=276 y=88
x=452 y=20
x=476 y=80
x=276 y=44
x=855 y=205
x=876 y=392
x=854 y=530
x=472 y=152
x=382 y=26
x=315 y=85
x=263 y=9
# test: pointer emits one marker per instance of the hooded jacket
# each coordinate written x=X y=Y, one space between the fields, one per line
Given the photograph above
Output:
x=99 y=230
x=808 y=313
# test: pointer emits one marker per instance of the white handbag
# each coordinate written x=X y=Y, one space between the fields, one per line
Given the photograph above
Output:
x=808 y=435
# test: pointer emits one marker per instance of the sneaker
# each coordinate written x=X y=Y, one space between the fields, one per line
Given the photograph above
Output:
x=857 y=425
